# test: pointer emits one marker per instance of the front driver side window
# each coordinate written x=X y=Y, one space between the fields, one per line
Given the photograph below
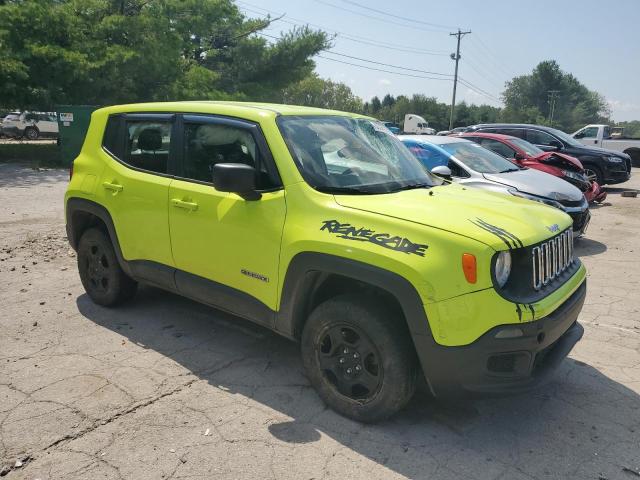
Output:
x=498 y=147
x=207 y=144
x=540 y=138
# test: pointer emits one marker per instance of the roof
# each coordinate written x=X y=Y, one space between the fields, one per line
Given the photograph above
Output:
x=508 y=125
x=432 y=139
x=240 y=109
x=494 y=136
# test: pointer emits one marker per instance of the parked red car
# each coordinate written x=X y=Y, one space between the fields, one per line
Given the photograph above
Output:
x=526 y=154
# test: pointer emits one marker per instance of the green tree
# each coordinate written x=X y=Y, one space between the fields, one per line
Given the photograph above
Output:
x=114 y=51
x=317 y=92
x=529 y=98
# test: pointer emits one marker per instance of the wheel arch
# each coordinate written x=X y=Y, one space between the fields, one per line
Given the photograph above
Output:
x=634 y=153
x=82 y=214
x=314 y=277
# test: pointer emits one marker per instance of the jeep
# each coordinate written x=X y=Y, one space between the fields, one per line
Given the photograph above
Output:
x=322 y=226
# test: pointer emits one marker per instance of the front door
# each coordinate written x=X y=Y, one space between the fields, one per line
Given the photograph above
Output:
x=227 y=249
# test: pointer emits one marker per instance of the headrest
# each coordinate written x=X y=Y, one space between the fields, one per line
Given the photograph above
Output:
x=150 y=139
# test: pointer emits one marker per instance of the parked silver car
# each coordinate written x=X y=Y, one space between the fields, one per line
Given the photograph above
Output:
x=468 y=163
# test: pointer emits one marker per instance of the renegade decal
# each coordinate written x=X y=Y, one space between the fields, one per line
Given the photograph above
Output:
x=507 y=237
x=349 y=232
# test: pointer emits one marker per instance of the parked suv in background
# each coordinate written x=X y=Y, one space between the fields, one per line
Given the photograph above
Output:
x=602 y=166
x=322 y=226
x=31 y=125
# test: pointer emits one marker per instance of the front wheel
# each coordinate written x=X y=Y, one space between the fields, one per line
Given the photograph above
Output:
x=31 y=133
x=100 y=273
x=594 y=174
x=358 y=355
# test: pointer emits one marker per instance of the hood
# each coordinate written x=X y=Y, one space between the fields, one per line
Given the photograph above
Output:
x=537 y=183
x=590 y=150
x=484 y=216
x=559 y=160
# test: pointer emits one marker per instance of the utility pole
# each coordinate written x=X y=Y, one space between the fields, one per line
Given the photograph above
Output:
x=553 y=96
x=456 y=57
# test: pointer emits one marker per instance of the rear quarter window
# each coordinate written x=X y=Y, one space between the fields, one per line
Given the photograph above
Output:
x=111 y=138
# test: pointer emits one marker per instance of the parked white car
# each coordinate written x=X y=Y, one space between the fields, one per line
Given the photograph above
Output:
x=601 y=136
x=30 y=125
x=416 y=125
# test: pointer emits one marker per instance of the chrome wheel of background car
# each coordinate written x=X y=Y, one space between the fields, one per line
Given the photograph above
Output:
x=350 y=362
x=591 y=175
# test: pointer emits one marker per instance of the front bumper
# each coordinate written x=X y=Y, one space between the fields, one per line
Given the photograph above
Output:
x=580 y=221
x=595 y=193
x=506 y=365
x=617 y=176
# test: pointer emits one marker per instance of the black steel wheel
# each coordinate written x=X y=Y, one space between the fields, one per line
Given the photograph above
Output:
x=358 y=355
x=100 y=273
x=350 y=362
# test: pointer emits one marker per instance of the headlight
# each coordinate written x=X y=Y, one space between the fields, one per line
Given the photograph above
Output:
x=502 y=268
x=535 y=198
x=614 y=159
x=574 y=175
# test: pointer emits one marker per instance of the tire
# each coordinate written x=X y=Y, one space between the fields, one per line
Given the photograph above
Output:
x=31 y=133
x=100 y=273
x=358 y=355
x=594 y=173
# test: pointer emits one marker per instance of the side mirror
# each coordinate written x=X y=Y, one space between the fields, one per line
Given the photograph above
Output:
x=556 y=145
x=518 y=156
x=442 y=171
x=236 y=178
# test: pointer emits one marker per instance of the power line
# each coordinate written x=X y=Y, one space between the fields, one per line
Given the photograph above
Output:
x=384 y=20
x=413 y=20
x=345 y=36
x=486 y=51
x=428 y=76
x=388 y=64
x=382 y=70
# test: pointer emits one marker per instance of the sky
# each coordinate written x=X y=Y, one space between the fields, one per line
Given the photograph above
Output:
x=597 y=41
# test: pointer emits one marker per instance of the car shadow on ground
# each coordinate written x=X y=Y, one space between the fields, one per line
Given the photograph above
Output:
x=619 y=190
x=552 y=432
x=586 y=247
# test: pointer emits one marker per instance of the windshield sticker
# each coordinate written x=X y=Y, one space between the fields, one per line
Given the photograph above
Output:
x=507 y=237
x=386 y=240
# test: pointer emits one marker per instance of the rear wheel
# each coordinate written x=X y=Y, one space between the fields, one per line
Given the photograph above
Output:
x=100 y=273
x=359 y=356
x=31 y=133
x=594 y=174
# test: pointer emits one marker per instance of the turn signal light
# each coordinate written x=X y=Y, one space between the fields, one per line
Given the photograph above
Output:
x=470 y=267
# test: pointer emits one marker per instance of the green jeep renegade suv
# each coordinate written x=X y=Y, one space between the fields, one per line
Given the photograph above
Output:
x=321 y=226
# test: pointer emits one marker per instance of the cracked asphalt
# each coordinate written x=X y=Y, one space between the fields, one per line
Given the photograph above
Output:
x=167 y=388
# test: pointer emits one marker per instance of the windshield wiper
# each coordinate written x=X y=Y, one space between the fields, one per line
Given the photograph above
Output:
x=347 y=190
x=412 y=186
x=509 y=170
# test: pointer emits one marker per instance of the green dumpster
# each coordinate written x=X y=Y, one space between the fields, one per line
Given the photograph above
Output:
x=73 y=122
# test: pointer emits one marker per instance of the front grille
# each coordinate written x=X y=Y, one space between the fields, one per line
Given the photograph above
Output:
x=551 y=258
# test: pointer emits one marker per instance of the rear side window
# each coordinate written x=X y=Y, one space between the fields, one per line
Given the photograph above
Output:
x=148 y=145
x=110 y=138
x=538 y=137
x=498 y=147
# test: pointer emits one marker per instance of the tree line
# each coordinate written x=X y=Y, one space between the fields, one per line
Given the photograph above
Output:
x=101 y=52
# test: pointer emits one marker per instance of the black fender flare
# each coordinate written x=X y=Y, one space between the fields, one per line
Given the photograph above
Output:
x=81 y=205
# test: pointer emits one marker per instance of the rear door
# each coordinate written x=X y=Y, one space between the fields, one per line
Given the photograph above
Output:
x=226 y=249
x=134 y=187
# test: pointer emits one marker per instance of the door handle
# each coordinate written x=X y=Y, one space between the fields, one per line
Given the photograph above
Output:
x=114 y=187
x=191 y=206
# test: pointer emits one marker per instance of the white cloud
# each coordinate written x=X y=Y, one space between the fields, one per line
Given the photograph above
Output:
x=384 y=82
x=621 y=106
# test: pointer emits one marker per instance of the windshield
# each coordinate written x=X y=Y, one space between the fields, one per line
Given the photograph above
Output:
x=565 y=138
x=351 y=155
x=479 y=158
x=529 y=148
